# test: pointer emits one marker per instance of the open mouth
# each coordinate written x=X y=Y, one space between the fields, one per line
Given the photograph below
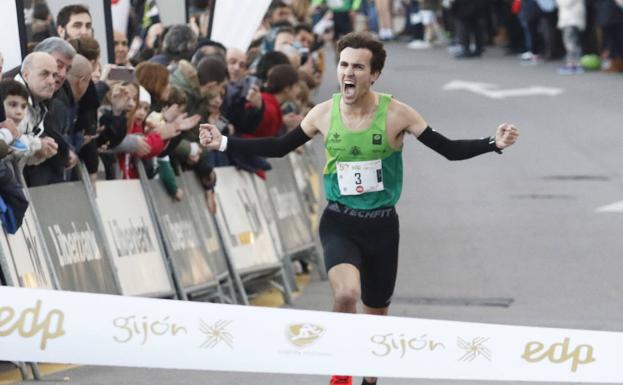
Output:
x=349 y=89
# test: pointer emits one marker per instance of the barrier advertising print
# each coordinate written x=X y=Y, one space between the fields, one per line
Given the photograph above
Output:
x=240 y=216
x=185 y=244
x=132 y=238
x=24 y=256
x=72 y=238
x=52 y=326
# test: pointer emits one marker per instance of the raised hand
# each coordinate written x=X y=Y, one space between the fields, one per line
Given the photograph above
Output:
x=209 y=136
x=170 y=113
x=506 y=135
x=186 y=123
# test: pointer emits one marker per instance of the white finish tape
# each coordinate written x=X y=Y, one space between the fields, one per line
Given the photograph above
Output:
x=94 y=329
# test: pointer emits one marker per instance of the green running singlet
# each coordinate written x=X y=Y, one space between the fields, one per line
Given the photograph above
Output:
x=344 y=145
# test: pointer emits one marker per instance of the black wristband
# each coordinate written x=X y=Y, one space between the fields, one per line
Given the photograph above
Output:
x=494 y=146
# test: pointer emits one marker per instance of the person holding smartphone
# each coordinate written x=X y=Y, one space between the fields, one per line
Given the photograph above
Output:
x=282 y=85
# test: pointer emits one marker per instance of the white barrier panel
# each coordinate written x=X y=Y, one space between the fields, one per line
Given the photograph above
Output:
x=132 y=238
x=64 y=327
x=235 y=22
x=184 y=243
x=196 y=196
x=10 y=44
x=291 y=216
x=263 y=198
x=120 y=11
x=172 y=11
x=26 y=263
x=240 y=218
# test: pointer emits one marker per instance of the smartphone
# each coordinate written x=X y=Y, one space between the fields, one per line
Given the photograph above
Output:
x=289 y=108
x=124 y=74
x=248 y=82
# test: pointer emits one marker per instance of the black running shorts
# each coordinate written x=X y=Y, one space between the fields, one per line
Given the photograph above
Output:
x=368 y=240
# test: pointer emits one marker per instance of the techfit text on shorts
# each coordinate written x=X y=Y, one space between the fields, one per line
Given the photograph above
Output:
x=368 y=240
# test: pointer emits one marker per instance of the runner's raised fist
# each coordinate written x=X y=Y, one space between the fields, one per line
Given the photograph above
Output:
x=209 y=136
x=506 y=135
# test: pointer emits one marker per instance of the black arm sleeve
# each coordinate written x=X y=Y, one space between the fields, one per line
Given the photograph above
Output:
x=457 y=149
x=274 y=147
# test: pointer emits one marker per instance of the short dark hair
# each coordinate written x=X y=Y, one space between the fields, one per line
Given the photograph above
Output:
x=87 y=47
x=303 y=27
x=268 y=61
x=176 y=96
x=283 y=24
x=218 y=48
x=212 y=68
x=277 y=4
x=204 y=42
x=365 y=40
x=284 y=29
x=10 y=87
x=66 y=12
x=179 y=42
x=280 y=77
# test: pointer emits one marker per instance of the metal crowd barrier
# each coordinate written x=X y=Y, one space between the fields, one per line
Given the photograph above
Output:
x=291 y=217
x=130 y=237
x=245 y=234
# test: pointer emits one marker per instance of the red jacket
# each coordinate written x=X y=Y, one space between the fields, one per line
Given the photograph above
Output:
x=126 y=161
x=272 y=120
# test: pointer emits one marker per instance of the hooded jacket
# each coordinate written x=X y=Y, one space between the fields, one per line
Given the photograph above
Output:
x=185 y=78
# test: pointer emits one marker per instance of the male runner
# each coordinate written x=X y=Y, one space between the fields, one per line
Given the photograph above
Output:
x=363 y=132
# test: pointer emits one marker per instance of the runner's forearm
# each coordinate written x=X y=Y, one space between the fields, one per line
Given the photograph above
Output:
x=274 y=147
x=457 y=149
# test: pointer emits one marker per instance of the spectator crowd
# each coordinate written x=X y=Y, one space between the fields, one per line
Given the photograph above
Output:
x=585 y=34
x=62 y=107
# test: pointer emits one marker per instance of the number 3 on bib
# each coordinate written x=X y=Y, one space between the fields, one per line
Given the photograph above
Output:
x=356 y=178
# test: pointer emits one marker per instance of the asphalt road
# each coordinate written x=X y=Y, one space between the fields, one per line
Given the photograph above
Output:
x=510 y=239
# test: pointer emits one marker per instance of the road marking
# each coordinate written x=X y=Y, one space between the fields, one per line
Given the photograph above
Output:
x=616 y=207
x=492 y=90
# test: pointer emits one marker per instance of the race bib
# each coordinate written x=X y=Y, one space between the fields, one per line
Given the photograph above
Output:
x=334 y=4
x=356 y=178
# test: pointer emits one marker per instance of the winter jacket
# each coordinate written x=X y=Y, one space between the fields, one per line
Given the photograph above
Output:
x=126 y=160
x=13 y=196
x=31 y=126
x=185 y=77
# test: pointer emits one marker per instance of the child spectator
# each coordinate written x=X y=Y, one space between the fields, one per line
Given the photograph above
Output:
x=13 y=203
x=153 y=139
x=215 y=117
x=173 y=108
x=15 y=102
x=571 y=22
